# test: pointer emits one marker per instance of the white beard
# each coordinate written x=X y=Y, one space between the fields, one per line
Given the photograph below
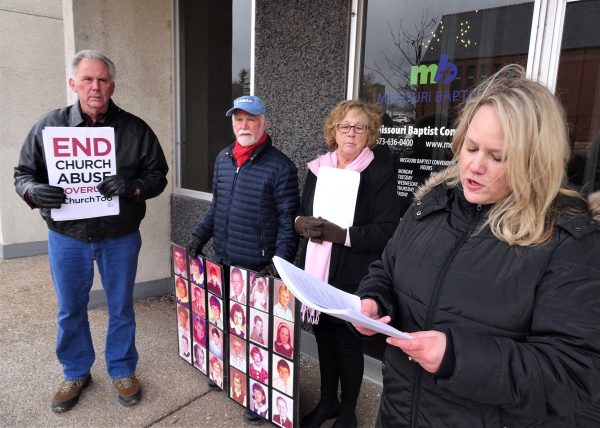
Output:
x=246 y=140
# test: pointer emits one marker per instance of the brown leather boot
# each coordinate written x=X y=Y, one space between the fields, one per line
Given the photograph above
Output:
x=68 y=392
x=128 y=389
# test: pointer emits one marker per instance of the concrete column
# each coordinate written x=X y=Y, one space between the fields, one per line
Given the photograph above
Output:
x=136 y=35
x=32 y=82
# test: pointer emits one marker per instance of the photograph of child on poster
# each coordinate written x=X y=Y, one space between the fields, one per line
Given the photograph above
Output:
x=214 y=278
x=237 y=389
x=283 y=338
x=181 y=290
x=237 y=353
x=259 y=326
x=258 y=368
x=237 y=320
x=284 y=308
x=215 y=342
x=283 y=376
x=259 y=292
x=216 y=370
x=215 y=313
x=258 y=399
x=237 y=285
x=198 y=305
x=179 y=261
x=200 y=358
x=282 y=410
x=197 y=270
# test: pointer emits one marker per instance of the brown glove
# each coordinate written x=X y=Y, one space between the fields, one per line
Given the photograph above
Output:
x=332 y=232
x=308 y=227
x=195 y=246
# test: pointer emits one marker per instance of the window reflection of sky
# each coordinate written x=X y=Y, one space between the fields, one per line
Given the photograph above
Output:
x=240 y=46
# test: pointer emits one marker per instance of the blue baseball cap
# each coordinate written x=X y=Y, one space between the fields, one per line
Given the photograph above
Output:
x=249 y=103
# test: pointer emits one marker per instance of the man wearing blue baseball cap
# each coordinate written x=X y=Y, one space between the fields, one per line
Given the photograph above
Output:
x=255 y=196
x=250 y=104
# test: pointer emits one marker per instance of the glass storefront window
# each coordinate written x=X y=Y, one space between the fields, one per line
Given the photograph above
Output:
x=422 y=59
x=214 y=70
x=240 y=54
x=578 y=88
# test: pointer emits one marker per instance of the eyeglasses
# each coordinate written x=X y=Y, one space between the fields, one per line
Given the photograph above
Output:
x=358 y=129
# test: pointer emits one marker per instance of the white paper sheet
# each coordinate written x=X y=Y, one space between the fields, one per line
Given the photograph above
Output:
x=335 y=195
x=328 y=299
x=78 y=159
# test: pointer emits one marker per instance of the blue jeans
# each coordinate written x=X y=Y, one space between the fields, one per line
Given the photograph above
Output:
x=72 y=267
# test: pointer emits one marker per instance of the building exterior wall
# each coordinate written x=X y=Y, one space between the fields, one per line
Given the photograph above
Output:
x=32 y=82
x=137 y=36
x=186 y=212
x=301 y=54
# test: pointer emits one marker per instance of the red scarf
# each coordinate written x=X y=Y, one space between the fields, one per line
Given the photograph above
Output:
x=242 y=153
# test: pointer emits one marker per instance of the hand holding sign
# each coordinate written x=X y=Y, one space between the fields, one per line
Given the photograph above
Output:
x=115 y=185
x=332 y=232
x=46 y=196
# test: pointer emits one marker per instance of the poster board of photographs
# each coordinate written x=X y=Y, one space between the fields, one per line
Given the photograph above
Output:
x=190 y=296
x=217 y=339
x=262 y=314
x=239 y=330
x=286 y=342
x=182 y=298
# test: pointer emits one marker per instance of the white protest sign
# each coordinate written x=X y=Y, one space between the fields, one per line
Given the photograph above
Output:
x=335 y=195
x=78 y=159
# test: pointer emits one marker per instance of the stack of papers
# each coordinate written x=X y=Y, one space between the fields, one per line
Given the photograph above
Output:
x=325 y=298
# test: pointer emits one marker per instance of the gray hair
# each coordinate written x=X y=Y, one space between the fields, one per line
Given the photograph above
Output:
x=92 y=54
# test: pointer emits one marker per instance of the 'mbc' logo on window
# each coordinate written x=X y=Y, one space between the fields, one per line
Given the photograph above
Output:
x=433 y=73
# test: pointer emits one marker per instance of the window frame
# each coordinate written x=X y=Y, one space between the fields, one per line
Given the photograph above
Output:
x=179 y=87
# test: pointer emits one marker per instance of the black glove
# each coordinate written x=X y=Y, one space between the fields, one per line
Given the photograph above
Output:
x=116 y=185
x=332 y=232
x=46 y=196
x=195 y=246
x=269 y=270
x=309 y=227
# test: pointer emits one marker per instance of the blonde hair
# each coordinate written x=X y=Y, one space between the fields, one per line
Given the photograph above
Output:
x=536 y=151
x=338 y=113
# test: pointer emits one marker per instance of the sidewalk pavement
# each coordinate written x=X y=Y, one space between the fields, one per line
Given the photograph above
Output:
x=174 y=392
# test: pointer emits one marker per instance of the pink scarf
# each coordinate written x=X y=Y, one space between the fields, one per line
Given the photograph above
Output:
x=318 y=256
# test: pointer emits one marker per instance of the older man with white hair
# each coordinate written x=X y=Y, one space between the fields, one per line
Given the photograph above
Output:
x=255 y=196
x=255 y=199
x=112 y=241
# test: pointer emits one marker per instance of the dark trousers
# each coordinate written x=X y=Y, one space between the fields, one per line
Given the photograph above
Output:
x=341 y=360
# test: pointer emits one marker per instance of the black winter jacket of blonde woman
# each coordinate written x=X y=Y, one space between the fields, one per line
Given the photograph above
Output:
x=523 y=323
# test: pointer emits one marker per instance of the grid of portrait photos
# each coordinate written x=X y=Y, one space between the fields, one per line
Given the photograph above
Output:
x=190 y=295
x=215 y=288
x=239 y=329
x=262 y=339
x=182 y=297
x=286 y=338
